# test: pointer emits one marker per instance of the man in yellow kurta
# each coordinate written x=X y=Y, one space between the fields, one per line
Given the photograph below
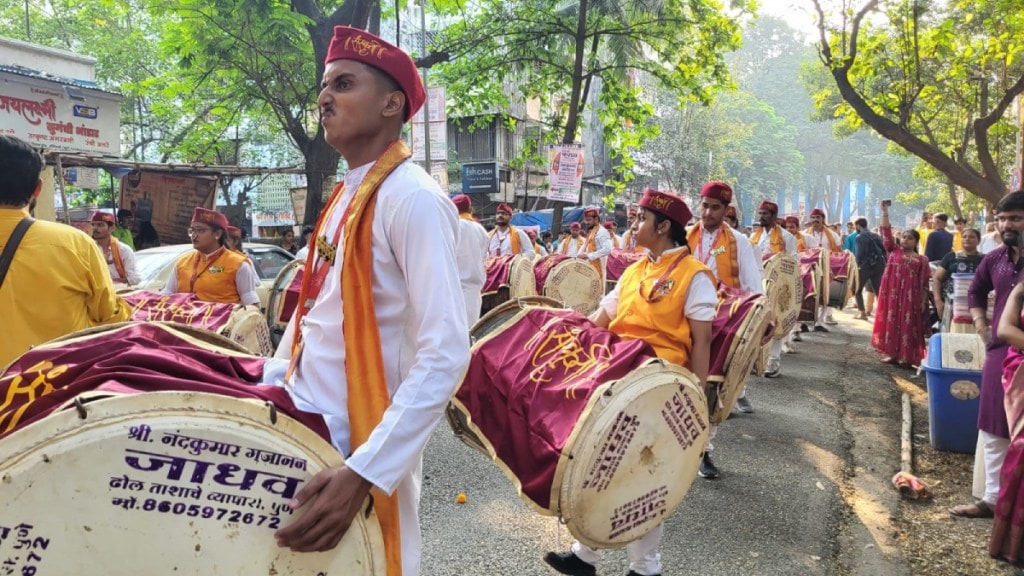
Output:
x=72 y=291
x=211 y=271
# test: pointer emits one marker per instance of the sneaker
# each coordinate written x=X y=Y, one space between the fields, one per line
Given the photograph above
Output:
x=772 y=370
x=569 y=563
x=707 y=470
x=787 y=349
x=804 y=328
x=830 y=320
x=820 y=328
x=743 y=405
x=797 y=337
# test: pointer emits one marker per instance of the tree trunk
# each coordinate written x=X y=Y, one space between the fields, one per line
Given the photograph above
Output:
x=321 y=173
x=951 y=189
x=572 y=121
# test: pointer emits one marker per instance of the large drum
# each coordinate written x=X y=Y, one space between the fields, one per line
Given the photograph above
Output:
x=617 y=263
x=814 y=272
x=572 y=281
x=139 y=449
x=738 y=334
x=284 y=298
x=590 y=428
x=498 y=283
x=843 y=276
x=242 y=324
x=783 y=291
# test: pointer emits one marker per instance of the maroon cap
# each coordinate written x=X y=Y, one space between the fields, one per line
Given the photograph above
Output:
x=592 y=212
x=212 y=217
x=234 y=232
x=504 y=208
x=359 y=45
x=717 y=190
x=793 y=219
x=463 y=203
x=609 y=224
x=669 y=205
x=101 y=216
x=769 y=206
x=575 y=226
x=818 y=212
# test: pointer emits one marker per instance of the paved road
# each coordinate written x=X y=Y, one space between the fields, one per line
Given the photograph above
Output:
x=803 y=487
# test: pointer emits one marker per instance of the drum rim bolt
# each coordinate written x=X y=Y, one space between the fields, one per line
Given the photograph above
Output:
x=80 y=408
x=273 y=412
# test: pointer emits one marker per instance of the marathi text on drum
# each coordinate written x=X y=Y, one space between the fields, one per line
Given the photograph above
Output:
x=17 y=542
x=224 y=476
x=612 y=450
x=272 y=521
x=639 y=511
x=684 y=420
x=197 y=446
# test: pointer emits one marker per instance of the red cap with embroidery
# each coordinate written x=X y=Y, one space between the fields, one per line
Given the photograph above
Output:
x=717 y=190
x=212 y=217
x=669 y=205
x=101 y=216
x=359 y=45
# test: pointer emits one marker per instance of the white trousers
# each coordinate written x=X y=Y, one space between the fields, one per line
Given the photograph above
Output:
x=644 y=555
x=775 y=353
x=995 y=452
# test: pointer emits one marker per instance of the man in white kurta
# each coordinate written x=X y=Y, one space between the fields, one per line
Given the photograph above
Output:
x=826 y=239
x=102 y=232
x=470 y=255
x=575 y=243
x=417 y=299
x=598 y=244
x=767 y=214
x=506 y=239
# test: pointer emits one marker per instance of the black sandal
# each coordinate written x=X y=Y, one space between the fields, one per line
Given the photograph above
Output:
x=979 y=509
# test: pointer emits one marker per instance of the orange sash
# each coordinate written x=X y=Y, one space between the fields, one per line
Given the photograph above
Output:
x=115 y=253
x=564 y=248
x=467 y=216
x=801 y=244
x=513 y=238
x=775 y=242
x=368 y=396
x=833 y=245
x=724 y=250
x=592 y=247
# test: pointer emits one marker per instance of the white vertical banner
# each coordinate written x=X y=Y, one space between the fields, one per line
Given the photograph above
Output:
x=438 y=126
x=565 y=172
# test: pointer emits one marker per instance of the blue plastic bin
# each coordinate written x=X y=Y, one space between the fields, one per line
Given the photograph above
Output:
x=953 y=397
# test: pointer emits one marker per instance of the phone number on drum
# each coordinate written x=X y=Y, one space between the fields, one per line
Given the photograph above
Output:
x=208 y=512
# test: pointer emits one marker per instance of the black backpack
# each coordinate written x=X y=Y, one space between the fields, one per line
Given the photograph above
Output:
x=876 y=256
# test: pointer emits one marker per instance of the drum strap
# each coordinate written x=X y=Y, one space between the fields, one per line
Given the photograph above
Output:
x=12 y=244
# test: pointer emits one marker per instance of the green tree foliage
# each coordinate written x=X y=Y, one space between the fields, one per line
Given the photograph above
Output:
x=555 y=51
x=936 y=78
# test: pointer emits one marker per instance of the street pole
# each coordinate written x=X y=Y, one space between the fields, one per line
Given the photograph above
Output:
x=426 y=102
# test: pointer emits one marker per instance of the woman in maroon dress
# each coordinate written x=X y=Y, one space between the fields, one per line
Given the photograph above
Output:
x=901 y=319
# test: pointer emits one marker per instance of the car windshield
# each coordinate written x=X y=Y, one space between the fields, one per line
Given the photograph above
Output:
x=150 y=263
x=268 y=261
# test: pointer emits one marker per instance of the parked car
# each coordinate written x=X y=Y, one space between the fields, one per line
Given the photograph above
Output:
x=156 y=264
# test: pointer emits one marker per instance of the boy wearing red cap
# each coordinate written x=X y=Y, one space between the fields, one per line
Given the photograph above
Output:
x=120 y=258
x=470 y=254
x=803 y=241
x=667 y=299
x=729 y=256
x=213 y=272
x=574 y=244
x=770 y=238
x=379 y=341
x=506 y=239
x=72 y=291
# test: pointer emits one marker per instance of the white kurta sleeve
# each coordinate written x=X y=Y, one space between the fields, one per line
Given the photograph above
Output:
x=422 y=236
x=701 y=299
x=171 y=287
x=131 y=270
x=525 y=245
x=610 y=302
x=790 y=243
x=749 y=263
x=246 y=282
x=603 y=240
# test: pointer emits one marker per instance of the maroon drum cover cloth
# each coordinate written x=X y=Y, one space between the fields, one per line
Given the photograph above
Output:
x=733 y=307
x=291 y=296
x=618 y=261
x=839 y=264
x=498 y=270
x=180 y=308
x=544 y=368
x=542 y=268
x=135 y=358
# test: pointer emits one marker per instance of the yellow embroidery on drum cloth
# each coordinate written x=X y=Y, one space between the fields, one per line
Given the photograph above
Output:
x=40 y=385
x=559 y=350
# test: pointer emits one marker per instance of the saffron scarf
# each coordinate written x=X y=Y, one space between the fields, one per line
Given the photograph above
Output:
x=513 y=238
x=775 y=242
x=115 y=253
x=592 y=247
x=564 y=249
x=368 y=396
x=801 y=244
x=467 y=216
x=724 y=250
x=833 y=246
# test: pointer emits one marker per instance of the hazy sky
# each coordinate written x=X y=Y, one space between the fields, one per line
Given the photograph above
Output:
x=797 y=13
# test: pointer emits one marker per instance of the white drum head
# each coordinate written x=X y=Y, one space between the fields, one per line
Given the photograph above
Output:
x=576 y=283
x=248 y=327
x=169 y=483
x=521 y=281
x=784 y=290
x=276 y=298
x=633 y=455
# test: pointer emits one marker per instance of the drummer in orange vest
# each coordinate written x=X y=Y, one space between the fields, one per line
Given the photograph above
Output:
x=730 y=257
x=211 y=271
x=506 y=239
x=120 y=258
x=667 y=299
x=827 y=239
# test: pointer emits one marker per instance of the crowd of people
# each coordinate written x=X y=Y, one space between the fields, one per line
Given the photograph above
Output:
x=393 y=268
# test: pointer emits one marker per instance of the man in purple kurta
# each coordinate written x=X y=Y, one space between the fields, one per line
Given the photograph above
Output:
x=998 y=271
